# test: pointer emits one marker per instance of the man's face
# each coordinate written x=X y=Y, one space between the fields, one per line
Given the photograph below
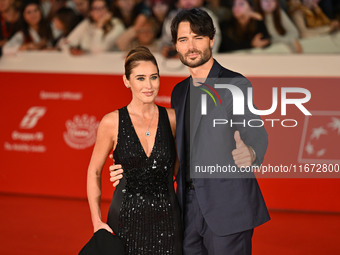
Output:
x=193 y=50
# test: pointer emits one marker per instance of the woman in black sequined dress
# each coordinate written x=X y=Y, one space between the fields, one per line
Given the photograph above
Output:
x=144 y=211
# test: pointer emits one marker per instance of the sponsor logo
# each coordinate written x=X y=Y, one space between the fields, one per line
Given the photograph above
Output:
x=320 y=138
x=32 y=116
x=65 y=95
x=28 y=141
x=81 y=131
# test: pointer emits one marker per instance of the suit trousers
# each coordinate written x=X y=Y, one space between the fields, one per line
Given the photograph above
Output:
x=199 y=239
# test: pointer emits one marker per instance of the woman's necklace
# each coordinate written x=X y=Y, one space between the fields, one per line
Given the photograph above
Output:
x=147 y=133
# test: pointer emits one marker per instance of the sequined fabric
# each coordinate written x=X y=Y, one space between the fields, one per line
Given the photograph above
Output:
x=148 y=215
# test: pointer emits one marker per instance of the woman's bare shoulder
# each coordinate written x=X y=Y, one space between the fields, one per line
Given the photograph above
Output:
x=109 y=121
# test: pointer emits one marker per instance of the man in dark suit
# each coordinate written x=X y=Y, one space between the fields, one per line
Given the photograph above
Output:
x=219 y=214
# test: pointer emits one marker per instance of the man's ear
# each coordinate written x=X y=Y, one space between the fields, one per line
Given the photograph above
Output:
x=126 y=81
x=212 y=41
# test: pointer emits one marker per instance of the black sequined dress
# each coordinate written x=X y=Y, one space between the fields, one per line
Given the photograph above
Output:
x=144 y=210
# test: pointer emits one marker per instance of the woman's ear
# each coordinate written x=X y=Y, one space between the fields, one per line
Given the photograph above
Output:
x=126 y=81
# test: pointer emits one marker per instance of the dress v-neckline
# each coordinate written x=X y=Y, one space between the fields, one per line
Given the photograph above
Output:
x=140 y=143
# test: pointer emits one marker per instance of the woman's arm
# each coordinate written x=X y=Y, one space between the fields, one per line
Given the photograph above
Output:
x=12 y=46
x=101 y=42
x=291 y=31
x=305 y=32
x=75 y=37
x=106 y=137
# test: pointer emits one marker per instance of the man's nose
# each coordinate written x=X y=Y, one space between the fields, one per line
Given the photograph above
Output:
x=191 y=44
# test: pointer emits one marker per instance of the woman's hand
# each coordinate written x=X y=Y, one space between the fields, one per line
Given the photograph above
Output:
x=116 y=173
x=258 y=42
x=101 y=225
x=105 y=18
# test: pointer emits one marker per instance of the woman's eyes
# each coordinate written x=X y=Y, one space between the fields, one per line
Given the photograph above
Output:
x=155 y=77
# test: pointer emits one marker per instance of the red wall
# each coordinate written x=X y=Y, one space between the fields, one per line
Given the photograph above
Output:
x=61 y=169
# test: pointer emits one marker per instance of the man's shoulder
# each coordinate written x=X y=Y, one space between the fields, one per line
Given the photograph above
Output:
x=227 y=73
x=181 y=85
x=233 y=78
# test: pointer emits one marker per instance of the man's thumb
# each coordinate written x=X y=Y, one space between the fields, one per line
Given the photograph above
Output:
x=238 y=139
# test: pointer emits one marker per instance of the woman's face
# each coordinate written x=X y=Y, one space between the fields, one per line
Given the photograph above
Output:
x=4 y=5
x=146 y=34
x=144 y=82
x=268 y=6
x=32 y=14
x=240 y=8
x=189 y=4
x=126 y=5
x=160 y=9
x=98 y=10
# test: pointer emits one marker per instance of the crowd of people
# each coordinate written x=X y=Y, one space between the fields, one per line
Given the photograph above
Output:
x=92 y=26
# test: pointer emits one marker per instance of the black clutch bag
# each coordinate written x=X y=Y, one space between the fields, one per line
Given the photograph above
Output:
x=103 y=243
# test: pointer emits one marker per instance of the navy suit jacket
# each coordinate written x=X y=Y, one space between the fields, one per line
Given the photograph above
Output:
x=229 y=205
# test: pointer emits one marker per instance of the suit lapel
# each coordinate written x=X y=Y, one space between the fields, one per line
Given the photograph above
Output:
x=212 y=76
x=181 y=122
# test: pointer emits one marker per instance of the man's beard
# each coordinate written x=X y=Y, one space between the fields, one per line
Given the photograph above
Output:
x=205 y=56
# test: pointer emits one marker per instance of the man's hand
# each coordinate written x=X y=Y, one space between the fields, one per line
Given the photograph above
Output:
x=116 y=173
x=243 y=155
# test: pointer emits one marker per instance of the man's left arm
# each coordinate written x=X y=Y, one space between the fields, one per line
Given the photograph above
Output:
x=250 y=142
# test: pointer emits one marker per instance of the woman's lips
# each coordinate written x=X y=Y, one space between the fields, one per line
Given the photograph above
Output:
x=148 y=94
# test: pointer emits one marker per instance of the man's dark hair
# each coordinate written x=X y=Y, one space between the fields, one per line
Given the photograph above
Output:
x=200 y=23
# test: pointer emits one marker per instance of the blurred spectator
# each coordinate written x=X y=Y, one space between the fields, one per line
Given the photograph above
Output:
x=95 y=34
x=280 y=28
x=134 y=15
x=310 y=19
x=50 y=7
x=166 y=47
x=145 y=36
x=159 y=10
x=34 y=33
x=9 y=16
x=222 y=12
x=65 y=20
x=82 y=8
x=131 y=12
x=246 y=29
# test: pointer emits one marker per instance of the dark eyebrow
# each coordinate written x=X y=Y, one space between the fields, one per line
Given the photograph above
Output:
x=140 y=75
x=183 y=37
x=154 y=74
